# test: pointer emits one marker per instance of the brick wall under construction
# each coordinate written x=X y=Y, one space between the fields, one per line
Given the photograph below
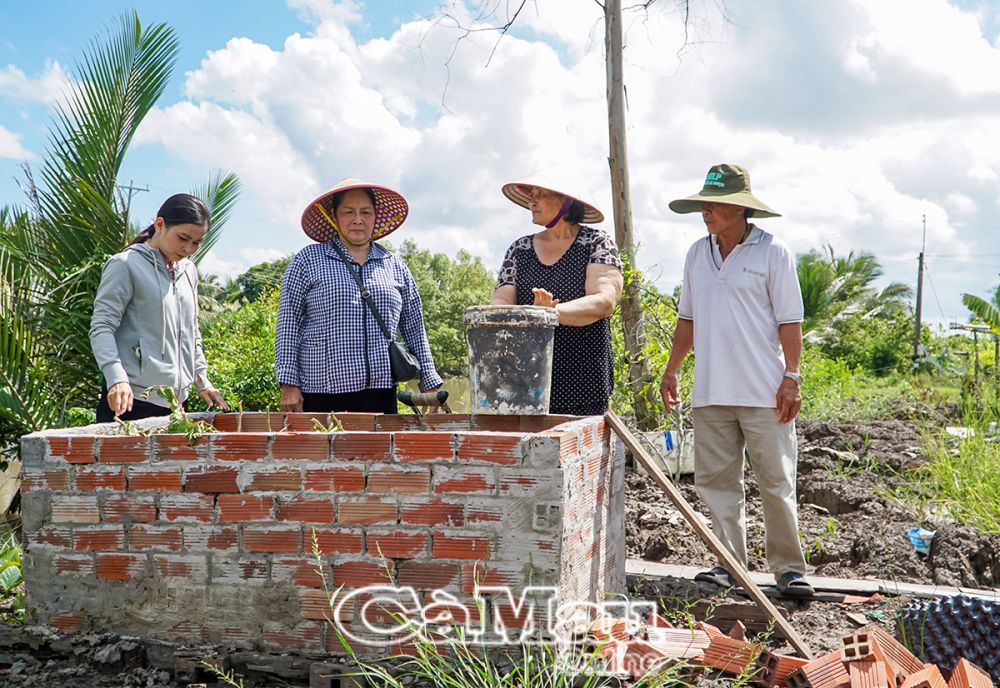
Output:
x=224 y=540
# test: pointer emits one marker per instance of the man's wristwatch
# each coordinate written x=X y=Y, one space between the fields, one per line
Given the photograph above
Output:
x=794 y=377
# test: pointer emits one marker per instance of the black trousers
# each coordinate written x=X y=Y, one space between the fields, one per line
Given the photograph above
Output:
x=365 y=401
x=140 y=409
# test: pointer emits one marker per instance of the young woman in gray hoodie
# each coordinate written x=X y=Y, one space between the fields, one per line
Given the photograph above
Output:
x=144 y=331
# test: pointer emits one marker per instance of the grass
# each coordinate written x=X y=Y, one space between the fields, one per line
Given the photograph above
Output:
x=961 y=479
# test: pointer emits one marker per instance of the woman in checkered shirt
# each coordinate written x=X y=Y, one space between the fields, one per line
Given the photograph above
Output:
x=330 y=352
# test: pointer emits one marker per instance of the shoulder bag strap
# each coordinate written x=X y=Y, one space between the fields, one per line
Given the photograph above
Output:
x=365 y=294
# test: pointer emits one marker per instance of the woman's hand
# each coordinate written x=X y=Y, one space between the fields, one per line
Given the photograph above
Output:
x=544 y=298
x=291 y=398
x=120 y=398
x=213 y=397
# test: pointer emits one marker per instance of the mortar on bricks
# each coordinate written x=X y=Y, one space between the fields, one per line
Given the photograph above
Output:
x=224 y=540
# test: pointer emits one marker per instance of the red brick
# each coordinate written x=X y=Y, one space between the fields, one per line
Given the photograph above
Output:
x=99 y=539
x=487 y=447
x=397 y=544
x=361 y=446
x=315 y=604
x=212 y=479
x=306 y=422
x=464 y=480
x=179 y=448
x=243 y=446
x=160 y=480
x=566 y=441
x=542 y=423
x=67 y=622
x=306 y=510
x=335 y=479
x=93 y=478
x=143 y=537
x=301 y=446
x=249 y=422
x=968 y=675
x=525 y=482
x=493 y=574
x=361 y=574
x=244 y=507
x=431 y=512
x=427 y=575
x=868 y=674
x=122 y=449
x=72 y=449
x=187 y=508
x=55 y=536
x=120 y=567
x=239 y=571
x=487 y=511
x=447 y=546
x=424 y=446
x=74 y=563
x=275 y=479
x=928 y=677
x=392 y=480
x=214 y=538
x=448 y=421
x=272 y=539
x=493 y=423
x=334 y=540
x=356 y=422
x=183 y=566
x=306 y=637
x=46 y=479
x=129 y=508
x=397 y=423
x=367 y=512
x=74 y=509
x=306 y=573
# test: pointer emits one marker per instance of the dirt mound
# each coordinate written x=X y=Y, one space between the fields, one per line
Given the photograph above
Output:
x=851 y=525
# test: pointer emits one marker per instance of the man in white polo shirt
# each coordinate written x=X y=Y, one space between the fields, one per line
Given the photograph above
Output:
x=741 y=311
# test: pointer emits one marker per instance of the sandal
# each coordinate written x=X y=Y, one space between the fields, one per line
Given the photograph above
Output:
x=718 y=576
x=794 y=584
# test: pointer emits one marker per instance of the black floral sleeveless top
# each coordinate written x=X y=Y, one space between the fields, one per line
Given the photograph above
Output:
x=582 y=369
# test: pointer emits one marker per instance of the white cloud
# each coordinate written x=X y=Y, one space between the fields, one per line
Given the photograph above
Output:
x=224 y=264
x=11 y=147
x=855 y=119
x=46 y=88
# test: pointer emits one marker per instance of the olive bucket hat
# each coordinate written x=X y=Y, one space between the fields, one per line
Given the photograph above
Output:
x=724 y=184
x=391 y=210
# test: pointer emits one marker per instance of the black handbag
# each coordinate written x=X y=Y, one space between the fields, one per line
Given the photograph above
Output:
x=403 y=364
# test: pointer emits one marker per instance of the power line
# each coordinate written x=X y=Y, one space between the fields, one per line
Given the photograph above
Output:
x=934 y=291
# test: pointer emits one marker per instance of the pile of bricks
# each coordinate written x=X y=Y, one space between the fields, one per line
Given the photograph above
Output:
x=868 y=658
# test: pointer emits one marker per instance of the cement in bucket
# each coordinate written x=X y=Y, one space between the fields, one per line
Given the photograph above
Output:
x=510 y=359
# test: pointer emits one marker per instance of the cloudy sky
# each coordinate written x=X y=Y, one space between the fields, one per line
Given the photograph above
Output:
x=856 y=118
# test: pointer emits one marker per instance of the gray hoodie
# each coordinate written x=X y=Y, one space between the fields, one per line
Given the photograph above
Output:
x=145 y=325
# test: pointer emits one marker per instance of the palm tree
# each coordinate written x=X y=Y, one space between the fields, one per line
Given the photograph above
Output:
x=834 y=287
x=52 y=253
x=988 y=312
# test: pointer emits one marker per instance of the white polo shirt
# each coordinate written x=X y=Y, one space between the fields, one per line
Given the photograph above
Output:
x=736 y=307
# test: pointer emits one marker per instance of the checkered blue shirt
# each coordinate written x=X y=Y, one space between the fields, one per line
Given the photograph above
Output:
x=328 y=341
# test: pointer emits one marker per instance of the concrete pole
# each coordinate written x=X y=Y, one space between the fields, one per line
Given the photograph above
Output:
x=920 y=297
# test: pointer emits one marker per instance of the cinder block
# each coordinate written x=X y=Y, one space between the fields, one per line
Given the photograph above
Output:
x=776 y=668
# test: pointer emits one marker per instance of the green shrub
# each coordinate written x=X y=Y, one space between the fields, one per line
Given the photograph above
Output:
x=239 y=347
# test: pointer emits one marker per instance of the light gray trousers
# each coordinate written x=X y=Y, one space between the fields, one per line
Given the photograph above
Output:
x=720 y=434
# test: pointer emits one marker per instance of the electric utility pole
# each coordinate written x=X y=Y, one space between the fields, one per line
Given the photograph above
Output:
x=920 y=295
x=639 y=376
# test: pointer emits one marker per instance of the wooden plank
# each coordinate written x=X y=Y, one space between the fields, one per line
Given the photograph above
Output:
x=652 y=569
x=718 y=549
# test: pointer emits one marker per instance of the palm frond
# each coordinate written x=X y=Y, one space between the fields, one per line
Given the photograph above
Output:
x=220 y=194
